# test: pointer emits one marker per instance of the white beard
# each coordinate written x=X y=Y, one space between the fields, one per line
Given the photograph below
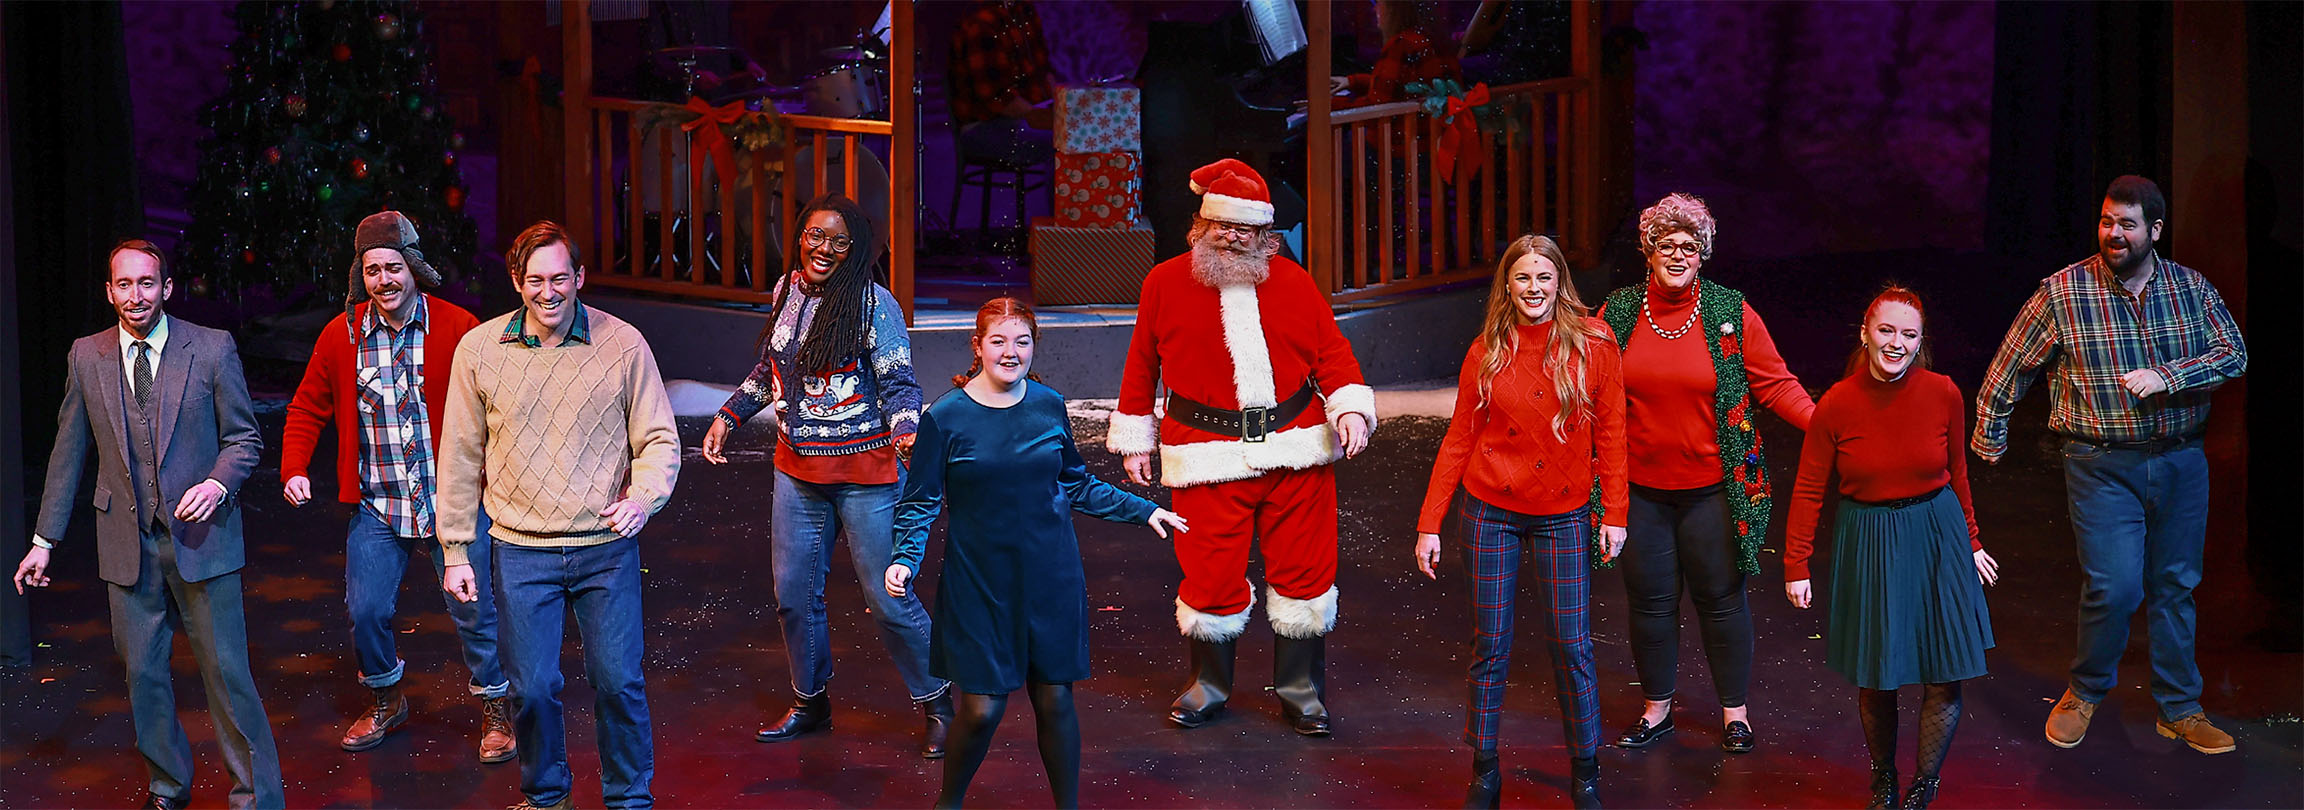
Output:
x=1219 y=266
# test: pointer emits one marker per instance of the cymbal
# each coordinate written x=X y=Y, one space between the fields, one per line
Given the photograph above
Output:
x=678 y=51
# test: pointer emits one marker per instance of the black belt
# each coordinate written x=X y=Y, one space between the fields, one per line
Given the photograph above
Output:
x=1900 y=503
x=2152 y=446
x=1250 y=424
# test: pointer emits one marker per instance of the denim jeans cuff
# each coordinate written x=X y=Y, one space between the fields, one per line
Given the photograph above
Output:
x=490 y=692
x=387 y=679
x=805 y=695
x=940 y=691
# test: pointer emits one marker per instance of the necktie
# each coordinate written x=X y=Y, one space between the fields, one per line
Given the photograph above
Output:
x=143 y=374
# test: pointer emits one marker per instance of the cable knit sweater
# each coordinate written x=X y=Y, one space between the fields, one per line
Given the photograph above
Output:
x=549 y=437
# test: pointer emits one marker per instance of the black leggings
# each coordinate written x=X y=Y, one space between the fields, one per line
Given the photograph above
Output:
x=1681 y=537
x=976 y=717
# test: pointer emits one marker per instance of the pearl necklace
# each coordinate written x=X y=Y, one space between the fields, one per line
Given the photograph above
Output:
x=1671 y=334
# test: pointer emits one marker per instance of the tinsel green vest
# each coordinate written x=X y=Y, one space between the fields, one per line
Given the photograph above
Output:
x=1743 y=468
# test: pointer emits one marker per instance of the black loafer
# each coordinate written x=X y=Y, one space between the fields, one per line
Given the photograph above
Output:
x=1739 y=739
x=1193 y=718
x=1309 y=725
x=1642 y=735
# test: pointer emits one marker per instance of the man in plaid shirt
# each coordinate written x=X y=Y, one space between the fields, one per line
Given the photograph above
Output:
x=2132 y=345
x=369 y=375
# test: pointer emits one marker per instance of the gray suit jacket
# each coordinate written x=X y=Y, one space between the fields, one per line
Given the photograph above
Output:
x=205 y=429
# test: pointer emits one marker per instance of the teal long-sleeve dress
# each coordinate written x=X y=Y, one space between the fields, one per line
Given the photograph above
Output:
x=1011 y=600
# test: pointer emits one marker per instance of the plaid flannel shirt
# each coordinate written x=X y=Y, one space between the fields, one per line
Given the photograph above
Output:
x=997 y=51
x=2086 y=331
x=396 y=461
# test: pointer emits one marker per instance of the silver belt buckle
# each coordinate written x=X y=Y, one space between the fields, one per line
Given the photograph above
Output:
x=1254 y=423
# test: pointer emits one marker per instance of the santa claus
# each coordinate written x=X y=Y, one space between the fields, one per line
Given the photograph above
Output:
x=1263 y=395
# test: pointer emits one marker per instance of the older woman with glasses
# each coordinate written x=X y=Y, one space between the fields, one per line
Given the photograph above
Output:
x=1696 y=359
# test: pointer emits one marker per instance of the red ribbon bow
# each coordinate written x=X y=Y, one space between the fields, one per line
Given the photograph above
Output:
x=718 y=144
x=1459 y=129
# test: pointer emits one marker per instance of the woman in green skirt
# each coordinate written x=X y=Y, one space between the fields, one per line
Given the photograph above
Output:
x=1908 y=572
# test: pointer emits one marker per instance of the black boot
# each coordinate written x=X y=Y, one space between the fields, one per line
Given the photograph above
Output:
x=1487 y=789
x=807 y=716
x=1211 y=685
x=1584 y=784
x=1883 y=788
x=1923 y=791
x=1300 y=678
x=939 y=712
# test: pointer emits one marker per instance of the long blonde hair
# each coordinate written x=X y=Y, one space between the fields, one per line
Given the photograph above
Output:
x=1566 y=355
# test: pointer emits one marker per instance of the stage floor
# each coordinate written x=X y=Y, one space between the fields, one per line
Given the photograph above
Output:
x=1396 y=679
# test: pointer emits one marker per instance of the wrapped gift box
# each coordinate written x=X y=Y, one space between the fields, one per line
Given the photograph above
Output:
x=1099 y=119
x=1088 y=265
x=1099 y=190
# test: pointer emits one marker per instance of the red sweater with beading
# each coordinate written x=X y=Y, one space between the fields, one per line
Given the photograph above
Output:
x=1506 y=455
x=1889 y=441
x=1669 y=387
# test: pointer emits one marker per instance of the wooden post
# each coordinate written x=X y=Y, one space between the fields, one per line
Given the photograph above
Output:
x=1584 y=188
x=903 y=160
x=1320 y=232
x=576 y=118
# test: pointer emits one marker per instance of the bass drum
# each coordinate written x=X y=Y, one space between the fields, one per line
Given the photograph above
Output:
x=848 y=91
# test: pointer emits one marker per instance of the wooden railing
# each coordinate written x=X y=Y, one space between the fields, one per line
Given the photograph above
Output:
x=1402 y=224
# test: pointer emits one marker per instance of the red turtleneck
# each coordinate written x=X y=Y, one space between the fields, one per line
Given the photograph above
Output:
x=1506 y=455
x=1669 y=387
x=1889 y=441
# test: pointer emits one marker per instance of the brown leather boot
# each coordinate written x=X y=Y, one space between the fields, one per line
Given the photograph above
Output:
x=386 y=712
x=496 y=741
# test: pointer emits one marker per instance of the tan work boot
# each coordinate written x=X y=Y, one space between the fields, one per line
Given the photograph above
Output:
x=386 y=712
x=2068 y=722
x=2194 y=730
x=496 y=741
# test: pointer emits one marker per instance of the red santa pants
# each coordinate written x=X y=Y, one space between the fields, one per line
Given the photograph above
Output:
x=1292 y=512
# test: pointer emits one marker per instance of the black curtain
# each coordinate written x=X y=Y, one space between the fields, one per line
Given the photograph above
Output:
x=72 y=190
x=2275 y=260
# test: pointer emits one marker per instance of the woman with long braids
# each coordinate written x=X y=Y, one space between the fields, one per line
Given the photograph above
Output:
x=1539 y=420
x=1696 y=361
x=1908 y=572
x=836 y=365
x=1011 y=600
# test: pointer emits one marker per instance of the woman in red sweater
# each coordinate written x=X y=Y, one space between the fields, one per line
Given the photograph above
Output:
x=1539 y=417
x=1696 y=359
x=1908 y=571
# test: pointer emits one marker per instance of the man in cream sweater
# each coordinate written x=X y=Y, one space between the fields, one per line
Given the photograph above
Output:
x=557 y=423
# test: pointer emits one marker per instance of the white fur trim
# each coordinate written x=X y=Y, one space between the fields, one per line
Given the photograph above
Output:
x=1131 y=434
x=1301 y=618
x=1244 y=339
x=1359 y=399
x=1216 y=627
x=1240 y=210
x=1212 y=462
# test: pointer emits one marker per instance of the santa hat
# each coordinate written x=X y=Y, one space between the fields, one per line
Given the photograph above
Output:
x=1232 y=192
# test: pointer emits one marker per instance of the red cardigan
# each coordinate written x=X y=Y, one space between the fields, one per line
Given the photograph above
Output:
x=1514 y=462
x=326 y=394
x=1889 y=441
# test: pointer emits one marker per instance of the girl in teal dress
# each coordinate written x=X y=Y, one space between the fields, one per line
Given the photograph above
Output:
x=1011 y=600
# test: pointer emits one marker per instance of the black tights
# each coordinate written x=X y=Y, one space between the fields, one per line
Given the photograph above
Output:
x=976 y=717
x=1939 y=718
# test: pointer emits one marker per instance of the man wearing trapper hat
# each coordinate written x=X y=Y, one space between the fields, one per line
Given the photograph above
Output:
x=380 y=373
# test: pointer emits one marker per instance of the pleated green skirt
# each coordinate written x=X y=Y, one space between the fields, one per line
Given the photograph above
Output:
x=1906 y=605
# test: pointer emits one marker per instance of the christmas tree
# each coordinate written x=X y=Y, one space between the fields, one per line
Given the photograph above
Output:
x=330 y=115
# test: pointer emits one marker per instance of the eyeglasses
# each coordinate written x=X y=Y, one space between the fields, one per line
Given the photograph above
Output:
x=1669 y=249
x=1236 y=229
x=816 y=237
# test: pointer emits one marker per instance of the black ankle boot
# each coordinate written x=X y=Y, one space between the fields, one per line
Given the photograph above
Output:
x=1300 y=679
x=807 y=715
x=1211 y=685
x=1584 y=787
x=1487 y=789
x=1883 y=788
x=939 y=714
x=1922 y=792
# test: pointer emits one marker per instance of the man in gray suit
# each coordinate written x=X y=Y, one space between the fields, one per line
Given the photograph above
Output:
x=163 y=406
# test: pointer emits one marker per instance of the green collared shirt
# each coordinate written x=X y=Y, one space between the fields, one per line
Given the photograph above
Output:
x=516 y=330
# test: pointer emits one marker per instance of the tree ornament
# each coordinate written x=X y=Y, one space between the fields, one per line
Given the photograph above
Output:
x=387 y=27
x=272 y=155
x=327 y=192
x=424 y=112
x=247 y=257
x=455 y=197
x=200 y=286
x=240 y=191
x=448 y=159
x=360 y=133
x=295 y=105
x=456 y=140
x=414 y=101
x=359 y=169
x=341 y=53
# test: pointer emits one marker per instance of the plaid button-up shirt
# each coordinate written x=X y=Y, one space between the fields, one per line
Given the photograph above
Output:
x=579 y=331
x=396 y=461
x=2086 y=331
x=997 y=51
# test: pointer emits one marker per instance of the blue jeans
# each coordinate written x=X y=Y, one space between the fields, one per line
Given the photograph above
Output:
x=535 y=588
x=2142 y=522
x=807 y=518
x=375 y=559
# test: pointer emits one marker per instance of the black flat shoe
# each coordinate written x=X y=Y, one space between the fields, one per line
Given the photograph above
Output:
x=1739 y=739
x=1309 y=725
x=1642 y=735
x=1194 y=718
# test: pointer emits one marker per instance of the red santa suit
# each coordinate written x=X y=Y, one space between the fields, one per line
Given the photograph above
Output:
x=1243 y=347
